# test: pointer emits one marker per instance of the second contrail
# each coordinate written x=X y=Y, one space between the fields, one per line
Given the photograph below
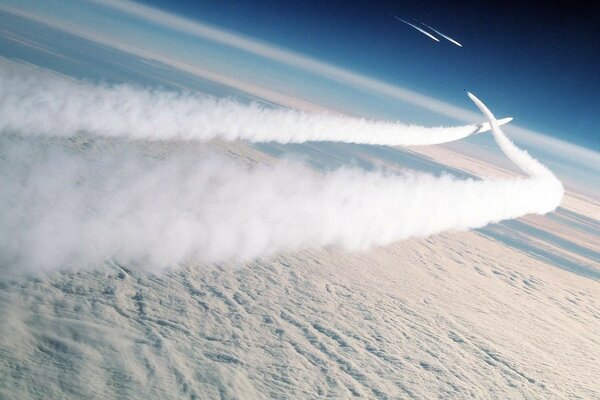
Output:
x=448 y=38
x=423 y=31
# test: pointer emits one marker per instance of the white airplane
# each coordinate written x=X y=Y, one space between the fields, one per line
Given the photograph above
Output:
x=485 y=126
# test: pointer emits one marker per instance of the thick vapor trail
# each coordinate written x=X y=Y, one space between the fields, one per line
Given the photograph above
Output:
x=552 y=188
x=520 y=157
x=423 y=31
x=69 y=205
x=36 y=103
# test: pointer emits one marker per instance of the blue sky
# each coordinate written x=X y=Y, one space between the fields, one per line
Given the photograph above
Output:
x=540 y=62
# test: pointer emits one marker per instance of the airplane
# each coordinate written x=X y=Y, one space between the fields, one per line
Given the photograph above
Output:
x=485 y=126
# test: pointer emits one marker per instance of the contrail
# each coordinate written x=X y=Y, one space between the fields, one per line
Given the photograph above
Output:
x=520 y=157
x=68 y=204
x=448 y=38
x=552 y=187
x=40 y=104
x=417 y=28
x=63 y=206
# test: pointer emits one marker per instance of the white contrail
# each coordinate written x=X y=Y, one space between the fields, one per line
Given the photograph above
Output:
x=520 y=157
x=36 y=103
x=448 y=38
x=70 y=205
x=553 y=189
x=73 y=203
x=423 y=31
x=63 y=206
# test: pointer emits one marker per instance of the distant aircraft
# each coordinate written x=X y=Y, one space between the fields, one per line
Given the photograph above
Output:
x=423 y=31
x=448 y=38
x=485 y=126
x=417 y=28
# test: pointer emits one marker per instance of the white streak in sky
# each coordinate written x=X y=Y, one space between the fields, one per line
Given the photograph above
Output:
x=448 y=38
x=417 y=28
x=75 y=204
x=36 y=103
x=520 y=157
x=554 y=189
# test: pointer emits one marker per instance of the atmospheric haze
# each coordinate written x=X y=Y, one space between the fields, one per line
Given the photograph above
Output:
x=78 y=201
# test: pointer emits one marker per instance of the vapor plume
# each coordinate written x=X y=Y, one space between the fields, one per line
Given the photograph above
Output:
x=76 y=201
x=520 y=157
x=37 y=103
x=68 y=206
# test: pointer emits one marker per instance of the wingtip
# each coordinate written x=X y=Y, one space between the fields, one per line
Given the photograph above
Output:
x=503 y=121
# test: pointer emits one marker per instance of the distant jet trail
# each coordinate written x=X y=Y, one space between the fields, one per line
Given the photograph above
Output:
x=417 y=28
x=448 y=38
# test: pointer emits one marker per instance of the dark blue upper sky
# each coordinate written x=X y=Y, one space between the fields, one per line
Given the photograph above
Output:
x=540 y=61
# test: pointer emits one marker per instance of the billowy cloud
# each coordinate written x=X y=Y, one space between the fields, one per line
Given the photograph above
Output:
x=65 y=205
